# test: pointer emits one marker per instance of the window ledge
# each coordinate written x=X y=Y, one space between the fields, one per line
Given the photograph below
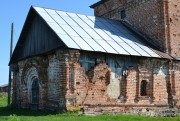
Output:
x=144 y=98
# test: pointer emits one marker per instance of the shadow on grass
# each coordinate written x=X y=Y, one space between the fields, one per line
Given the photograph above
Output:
x=7 y=111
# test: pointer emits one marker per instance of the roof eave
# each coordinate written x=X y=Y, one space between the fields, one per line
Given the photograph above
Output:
x=98 y=3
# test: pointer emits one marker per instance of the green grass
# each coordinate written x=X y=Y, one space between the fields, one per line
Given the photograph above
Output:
x=3 y=99
x=12 y=114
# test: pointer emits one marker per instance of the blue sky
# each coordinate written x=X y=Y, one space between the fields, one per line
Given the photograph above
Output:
x=16 y=11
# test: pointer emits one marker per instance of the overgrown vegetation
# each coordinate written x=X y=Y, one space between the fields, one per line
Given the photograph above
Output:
x=12 y=114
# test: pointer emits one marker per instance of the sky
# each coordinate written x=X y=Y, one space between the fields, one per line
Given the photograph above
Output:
x=16 y=11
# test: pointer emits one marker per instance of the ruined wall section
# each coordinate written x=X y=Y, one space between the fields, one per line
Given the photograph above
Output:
x=86 y=86
x=64 y=82
x=147 y=16
x=132 y=86
x=161 y=83
x=155 y=74
x=94 y=87
x=145 y=73
x=153 y=71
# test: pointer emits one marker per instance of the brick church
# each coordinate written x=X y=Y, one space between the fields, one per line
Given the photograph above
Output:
x=124 y=59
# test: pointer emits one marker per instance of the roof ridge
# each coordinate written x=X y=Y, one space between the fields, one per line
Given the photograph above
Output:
x=76 y=13
x=63 y=11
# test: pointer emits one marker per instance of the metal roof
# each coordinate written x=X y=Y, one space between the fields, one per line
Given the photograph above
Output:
x=94 y=33
x=5 y=85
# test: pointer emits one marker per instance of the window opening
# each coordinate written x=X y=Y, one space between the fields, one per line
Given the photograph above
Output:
x=143 y=88
x=123 y=14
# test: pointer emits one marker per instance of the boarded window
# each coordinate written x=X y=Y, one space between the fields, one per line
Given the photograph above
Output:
x=143 y=88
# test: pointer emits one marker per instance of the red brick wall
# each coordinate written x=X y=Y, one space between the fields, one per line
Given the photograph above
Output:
x=174 y=22
x=60 y=86
x=175 y=84
x=132 y=83
x=160 y=89
x=177 y=88
x=91 y=87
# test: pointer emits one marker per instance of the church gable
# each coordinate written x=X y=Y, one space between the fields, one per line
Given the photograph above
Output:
x=36 y=38
x=39 y=39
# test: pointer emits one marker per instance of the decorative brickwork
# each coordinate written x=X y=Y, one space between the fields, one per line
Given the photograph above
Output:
x=24 y=74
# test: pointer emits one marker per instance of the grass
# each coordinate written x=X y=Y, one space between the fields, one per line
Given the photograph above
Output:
x=12 y=114
x=3 y=99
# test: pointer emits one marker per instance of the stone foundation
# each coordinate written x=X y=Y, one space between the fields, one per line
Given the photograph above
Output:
x=160 y=111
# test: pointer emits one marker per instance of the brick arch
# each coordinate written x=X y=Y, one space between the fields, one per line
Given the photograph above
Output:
x=30 y=75
x=37 y=63
x=34 y=68
x=30 y=65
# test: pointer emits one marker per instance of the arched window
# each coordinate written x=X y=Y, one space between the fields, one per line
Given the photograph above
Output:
x=143 y=88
